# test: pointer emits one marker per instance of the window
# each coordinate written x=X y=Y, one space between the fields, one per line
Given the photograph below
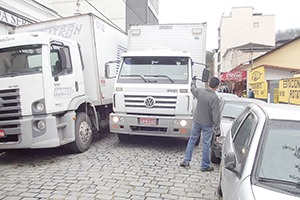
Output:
x=238 y=121
x=60 y=60
x=242 y=138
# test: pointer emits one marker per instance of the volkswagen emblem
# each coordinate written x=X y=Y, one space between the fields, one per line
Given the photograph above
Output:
x=149 y=102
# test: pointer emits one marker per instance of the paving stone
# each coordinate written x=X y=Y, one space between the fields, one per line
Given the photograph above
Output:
x=140 y=168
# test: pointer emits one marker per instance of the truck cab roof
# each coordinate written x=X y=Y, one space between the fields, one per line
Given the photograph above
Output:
x=157 y=52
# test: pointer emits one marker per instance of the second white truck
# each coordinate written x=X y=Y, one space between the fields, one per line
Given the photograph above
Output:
x=152 y=91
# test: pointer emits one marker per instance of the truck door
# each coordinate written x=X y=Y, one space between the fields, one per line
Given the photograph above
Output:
x=64 y=84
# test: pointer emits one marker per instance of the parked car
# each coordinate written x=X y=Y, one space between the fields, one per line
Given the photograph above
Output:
x=261 y=154
x=224 y=94
x=231 y=107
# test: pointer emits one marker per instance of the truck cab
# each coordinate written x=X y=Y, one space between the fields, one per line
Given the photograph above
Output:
x=39 y=82
x=152 y=94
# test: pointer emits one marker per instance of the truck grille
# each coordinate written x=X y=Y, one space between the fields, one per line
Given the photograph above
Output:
x=143 y=101
x=10 y=114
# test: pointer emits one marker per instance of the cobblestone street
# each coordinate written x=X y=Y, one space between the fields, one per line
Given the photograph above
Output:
x=140 y=168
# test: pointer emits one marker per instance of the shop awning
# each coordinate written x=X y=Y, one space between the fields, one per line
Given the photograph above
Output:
x=234 y=76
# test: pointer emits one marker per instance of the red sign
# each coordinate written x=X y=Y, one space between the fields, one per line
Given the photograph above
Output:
x=234 y=76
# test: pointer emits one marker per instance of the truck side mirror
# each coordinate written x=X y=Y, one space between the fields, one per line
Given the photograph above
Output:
x=111 y=69
x=205 y=75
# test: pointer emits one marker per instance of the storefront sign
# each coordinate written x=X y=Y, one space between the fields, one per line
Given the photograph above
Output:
x=289 y=90
x=234 y=76
x=260 y=90
x=12 y=19
x=257 y=75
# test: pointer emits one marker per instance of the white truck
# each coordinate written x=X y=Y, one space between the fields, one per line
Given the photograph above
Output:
x=152 y=94
x=53 y=88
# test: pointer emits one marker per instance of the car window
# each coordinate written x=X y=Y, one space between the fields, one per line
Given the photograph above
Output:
x=242 y=138
x=238 y=121
x=280 y=157
x=233 y=109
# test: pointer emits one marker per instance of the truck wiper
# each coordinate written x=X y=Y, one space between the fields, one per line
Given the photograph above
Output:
x=156 y=75
x=134 y=75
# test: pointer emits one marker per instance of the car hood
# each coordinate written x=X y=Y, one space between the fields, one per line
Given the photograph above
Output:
x=225 y=126
x=261 y=193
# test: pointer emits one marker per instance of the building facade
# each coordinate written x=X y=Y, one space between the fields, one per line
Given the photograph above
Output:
x=14 y=13
x=121 y=13
x=242 y=27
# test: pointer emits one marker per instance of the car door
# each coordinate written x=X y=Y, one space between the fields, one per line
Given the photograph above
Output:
x=238 y=142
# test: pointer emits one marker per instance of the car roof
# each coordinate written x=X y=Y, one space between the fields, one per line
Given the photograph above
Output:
x=223 y=94
x=241 y=99
x=280 y=111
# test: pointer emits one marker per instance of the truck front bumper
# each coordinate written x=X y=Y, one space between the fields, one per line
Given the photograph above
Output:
x=150 y=125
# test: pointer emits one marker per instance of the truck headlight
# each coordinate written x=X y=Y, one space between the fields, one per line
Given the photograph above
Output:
x=39 y=106
x=115 y=119
x=183 y=123
x=41 y=125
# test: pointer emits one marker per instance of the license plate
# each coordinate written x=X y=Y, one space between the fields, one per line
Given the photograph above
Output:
x=148 y=121
x=2 y=134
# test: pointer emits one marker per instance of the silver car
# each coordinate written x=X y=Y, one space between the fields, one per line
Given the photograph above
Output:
x=261 y=154
x=231 y=107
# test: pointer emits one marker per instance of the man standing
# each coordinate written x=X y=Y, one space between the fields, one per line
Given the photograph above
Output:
x=251 y=93
x=206 y=118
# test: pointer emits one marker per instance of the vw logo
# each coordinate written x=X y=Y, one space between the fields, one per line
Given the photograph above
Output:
x=149 y=102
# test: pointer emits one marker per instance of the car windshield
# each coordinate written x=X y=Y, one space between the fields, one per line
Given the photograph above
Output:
x=154 y=70
x=280 y=158
x=20 y=60
x=232 y=109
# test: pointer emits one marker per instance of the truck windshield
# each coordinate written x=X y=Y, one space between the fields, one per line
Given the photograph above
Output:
x=167 y=70
x=21 y=60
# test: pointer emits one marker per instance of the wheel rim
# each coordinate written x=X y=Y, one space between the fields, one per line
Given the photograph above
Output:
x=85 y=132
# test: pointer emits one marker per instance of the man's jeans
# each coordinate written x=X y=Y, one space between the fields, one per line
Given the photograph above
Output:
x=207 y=133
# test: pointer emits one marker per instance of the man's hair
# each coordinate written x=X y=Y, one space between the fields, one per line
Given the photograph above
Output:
x=214 y=82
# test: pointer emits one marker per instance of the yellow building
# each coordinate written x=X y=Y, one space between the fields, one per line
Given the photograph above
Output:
x=267 y=72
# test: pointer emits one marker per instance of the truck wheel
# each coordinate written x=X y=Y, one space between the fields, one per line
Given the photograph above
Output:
x=83 y=133
x=213 y=157
x=123 y=137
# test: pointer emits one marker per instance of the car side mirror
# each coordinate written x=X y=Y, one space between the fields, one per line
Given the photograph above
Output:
x=230 y=161
x=231 y=165
x=205 y=75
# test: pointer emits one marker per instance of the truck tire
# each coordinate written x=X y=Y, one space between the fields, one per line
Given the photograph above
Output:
x=83 y=133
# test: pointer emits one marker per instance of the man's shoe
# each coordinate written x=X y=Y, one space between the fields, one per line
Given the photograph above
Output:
x=184 y=164
x=210 y=168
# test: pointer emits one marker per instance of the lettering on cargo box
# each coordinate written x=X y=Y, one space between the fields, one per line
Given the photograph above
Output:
x=64 y=30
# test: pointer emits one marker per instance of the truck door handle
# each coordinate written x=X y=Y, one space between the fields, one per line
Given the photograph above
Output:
x=76 y=86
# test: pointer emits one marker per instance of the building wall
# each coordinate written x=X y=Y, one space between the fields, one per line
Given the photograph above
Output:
x=120 y=12
x=114 y=10
x=15 y=13
x=243 y=27
x=141 y=12
x=286 y=56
